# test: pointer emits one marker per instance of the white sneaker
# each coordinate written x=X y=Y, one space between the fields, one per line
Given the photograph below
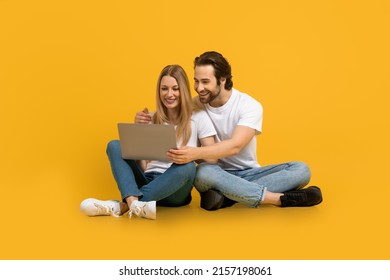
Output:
x=143 y=209
x=95 y=207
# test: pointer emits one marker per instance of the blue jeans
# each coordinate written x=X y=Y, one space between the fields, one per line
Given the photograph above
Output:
x=249 y=186
x=171 y=188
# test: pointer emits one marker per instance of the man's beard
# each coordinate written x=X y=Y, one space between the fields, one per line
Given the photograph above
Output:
x=211 y=95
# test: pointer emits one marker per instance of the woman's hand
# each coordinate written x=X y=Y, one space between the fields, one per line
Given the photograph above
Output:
x=143 y=117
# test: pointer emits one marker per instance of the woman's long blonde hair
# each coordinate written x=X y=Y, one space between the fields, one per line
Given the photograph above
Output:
x=183 y=128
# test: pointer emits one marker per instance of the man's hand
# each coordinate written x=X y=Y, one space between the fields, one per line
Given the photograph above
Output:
x=143 y=117
x=182 y=155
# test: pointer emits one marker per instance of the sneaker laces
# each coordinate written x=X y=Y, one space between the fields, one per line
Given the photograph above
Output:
x=297 y=196
x=293 y=198
x=137 y=210
x=103 y=210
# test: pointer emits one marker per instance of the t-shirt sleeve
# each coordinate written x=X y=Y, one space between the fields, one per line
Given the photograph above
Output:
x=251 y=115
x=205 y=127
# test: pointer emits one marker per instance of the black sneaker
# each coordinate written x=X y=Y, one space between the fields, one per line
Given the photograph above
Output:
x=227 y=202
x=302 y=198
x=212 y=200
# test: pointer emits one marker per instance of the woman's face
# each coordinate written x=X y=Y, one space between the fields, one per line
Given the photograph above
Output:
x=169 y=92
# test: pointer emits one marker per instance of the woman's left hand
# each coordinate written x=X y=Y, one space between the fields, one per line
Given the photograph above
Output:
x=143 y=117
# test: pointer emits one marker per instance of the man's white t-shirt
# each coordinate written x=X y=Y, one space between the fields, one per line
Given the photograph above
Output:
x=201 y=127
x=241 y=109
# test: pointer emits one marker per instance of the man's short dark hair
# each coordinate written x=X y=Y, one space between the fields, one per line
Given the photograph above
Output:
x=222 y=68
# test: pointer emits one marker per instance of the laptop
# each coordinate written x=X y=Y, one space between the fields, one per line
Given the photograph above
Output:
x=146 y=141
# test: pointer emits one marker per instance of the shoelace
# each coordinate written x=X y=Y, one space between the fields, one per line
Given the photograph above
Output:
x=297 y=196
x=136 y=210
x=102 y=209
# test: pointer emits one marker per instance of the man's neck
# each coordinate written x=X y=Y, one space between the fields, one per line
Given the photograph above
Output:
x=222 y=99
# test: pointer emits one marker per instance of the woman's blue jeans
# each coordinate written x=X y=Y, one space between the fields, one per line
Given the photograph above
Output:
x=249 y=186
x=171 y=188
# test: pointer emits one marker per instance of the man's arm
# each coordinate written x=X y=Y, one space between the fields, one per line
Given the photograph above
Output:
x=242 y=135
x=207 y=141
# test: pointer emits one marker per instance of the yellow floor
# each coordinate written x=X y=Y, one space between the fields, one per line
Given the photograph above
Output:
x=342 y=227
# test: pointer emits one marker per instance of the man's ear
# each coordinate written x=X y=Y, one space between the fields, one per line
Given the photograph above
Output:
x=222 y=82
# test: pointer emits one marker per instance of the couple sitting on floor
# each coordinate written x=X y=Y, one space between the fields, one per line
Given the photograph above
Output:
x=217 y=138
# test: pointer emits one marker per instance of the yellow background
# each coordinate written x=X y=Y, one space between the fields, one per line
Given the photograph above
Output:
x=71 y=70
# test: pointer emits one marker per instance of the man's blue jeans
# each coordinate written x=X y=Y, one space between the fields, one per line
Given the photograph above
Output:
x=171 y=188
x=249 y=186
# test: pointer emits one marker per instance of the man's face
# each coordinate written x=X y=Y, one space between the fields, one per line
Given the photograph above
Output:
x=206 y=84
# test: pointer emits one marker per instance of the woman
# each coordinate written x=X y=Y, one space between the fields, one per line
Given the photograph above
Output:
x=145 y=184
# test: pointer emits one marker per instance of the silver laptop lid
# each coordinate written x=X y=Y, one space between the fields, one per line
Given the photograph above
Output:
x=146 y=141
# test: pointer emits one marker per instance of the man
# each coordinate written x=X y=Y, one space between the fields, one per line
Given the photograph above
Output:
x=238 y=177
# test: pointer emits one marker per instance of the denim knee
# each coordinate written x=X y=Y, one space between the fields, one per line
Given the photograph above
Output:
x=188 y=168
x=205 y=171
x=113 y=147
x=304 y=171
x=205 y=176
